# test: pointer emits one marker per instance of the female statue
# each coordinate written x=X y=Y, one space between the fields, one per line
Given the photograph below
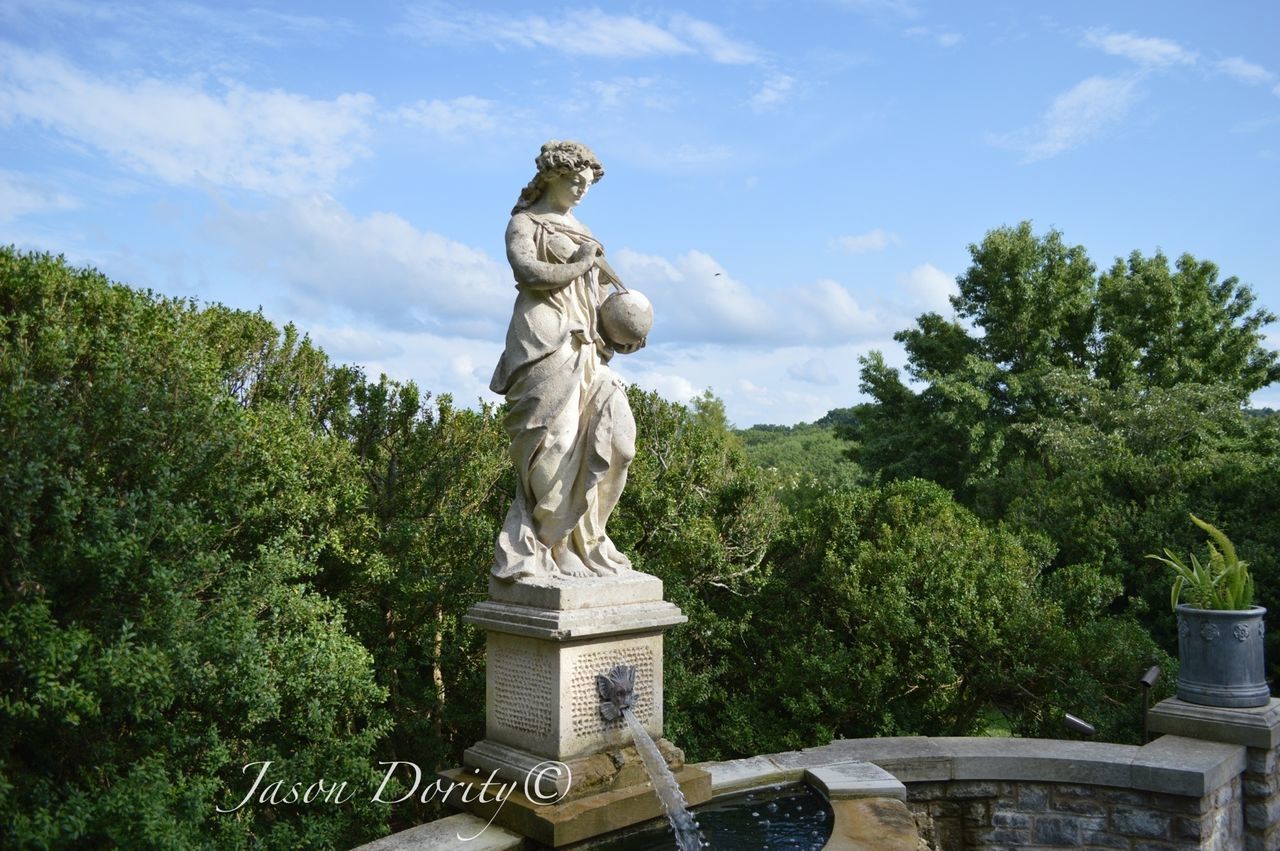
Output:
x=572 y=433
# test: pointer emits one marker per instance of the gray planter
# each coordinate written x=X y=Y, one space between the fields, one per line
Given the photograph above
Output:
x=1220 y=657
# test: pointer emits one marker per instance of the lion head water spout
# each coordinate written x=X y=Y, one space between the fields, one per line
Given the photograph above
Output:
x=617 y=694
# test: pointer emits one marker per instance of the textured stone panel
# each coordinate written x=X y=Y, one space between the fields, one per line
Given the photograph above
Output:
x=523 y=698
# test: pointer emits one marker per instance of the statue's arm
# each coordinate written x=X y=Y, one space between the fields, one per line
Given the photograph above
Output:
x=522 y=254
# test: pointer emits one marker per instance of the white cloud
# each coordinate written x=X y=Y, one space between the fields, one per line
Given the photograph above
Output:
x=813 y=371
x=775 y=90
x=929 y=287
x=1245 y=71
x=713 y=43
x=458 y=116
x=940 y=38
x=862 y=243
x=622 y=91
x=695 y=297
x=206 y=38
x=697 y=301
x=676 y=388
x=828 y=312
x=437 y=363
x=350 y=344
x=379 y=268
x=772 y=394
x=1081 y=113
x=588 y=32
x=1146 y=51
x=270 y=141
x=21 y=195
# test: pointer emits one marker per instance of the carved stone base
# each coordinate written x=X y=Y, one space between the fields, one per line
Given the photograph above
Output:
x=567 y=822
x=542 y=663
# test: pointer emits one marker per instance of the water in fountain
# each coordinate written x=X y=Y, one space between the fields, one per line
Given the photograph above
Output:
x=794 y=818
x=688 y=837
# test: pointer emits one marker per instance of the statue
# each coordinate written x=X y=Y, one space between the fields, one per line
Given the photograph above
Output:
x=571 y=428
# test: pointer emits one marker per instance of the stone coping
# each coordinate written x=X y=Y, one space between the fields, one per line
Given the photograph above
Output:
x=849 y=780
x=1257 y=727
x=1171 y=764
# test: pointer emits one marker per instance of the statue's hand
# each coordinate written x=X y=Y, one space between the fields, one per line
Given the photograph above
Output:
x=629 y=348
x=588 y=251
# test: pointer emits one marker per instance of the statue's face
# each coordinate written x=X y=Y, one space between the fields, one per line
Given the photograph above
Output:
x=567 y=190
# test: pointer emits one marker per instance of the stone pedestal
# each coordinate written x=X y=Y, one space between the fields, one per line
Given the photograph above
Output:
x=1258 y=729
x=546 y=644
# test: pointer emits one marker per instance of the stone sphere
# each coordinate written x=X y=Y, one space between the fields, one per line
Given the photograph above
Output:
x=626 y=318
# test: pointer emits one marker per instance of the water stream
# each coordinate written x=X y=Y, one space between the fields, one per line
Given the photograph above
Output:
x=617 y=697
x=688 y=837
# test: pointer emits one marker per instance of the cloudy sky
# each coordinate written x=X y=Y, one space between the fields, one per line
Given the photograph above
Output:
x=790 y=182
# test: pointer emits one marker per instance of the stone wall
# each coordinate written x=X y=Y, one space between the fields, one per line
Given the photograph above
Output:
x=1261 y=800
x=1176 y=792
x=1258 y=731
x=1212 y=784
x=981 y=814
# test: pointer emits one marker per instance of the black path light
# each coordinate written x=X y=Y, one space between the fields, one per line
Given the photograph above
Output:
x=1078 y=725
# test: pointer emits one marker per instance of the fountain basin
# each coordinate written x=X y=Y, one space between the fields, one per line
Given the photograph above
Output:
x=791 y=817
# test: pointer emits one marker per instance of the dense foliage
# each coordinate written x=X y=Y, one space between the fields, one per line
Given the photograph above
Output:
x=159 y=628
x=1096 y=410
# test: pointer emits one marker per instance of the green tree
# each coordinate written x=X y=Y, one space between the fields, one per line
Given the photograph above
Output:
x=159 y=628
x=1042 y=313
x=1095 y=410
x=439 y=480
x=917 y=618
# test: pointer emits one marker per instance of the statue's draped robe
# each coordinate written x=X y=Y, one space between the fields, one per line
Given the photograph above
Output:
x=572 y=432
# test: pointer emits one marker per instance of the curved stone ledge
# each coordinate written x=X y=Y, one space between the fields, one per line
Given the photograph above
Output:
x=1172 y=764
x=1219 y=790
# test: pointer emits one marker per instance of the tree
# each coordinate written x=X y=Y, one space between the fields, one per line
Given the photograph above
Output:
x=700 y=516
x=438 y=481
x=159 y=626
x=1096 y=410
x=917 y=620
x=1042 y=313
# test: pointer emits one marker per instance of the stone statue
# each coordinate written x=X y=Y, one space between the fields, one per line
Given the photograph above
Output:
x=572 y=433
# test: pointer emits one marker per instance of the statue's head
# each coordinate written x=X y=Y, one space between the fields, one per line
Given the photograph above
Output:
x=558 y=160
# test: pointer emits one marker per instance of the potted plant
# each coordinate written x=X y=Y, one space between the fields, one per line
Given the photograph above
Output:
x=1219 y=629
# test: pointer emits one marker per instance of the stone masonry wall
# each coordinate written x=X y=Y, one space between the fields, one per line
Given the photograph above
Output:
x=963 y=815
x=1261 y=800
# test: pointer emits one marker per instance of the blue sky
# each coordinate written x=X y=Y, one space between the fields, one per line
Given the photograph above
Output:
x=789 y=182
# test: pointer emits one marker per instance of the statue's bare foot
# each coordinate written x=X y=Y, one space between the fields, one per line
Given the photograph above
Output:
x=569 y=564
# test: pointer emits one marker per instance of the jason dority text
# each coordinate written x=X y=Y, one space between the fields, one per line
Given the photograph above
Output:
x=275 y=792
